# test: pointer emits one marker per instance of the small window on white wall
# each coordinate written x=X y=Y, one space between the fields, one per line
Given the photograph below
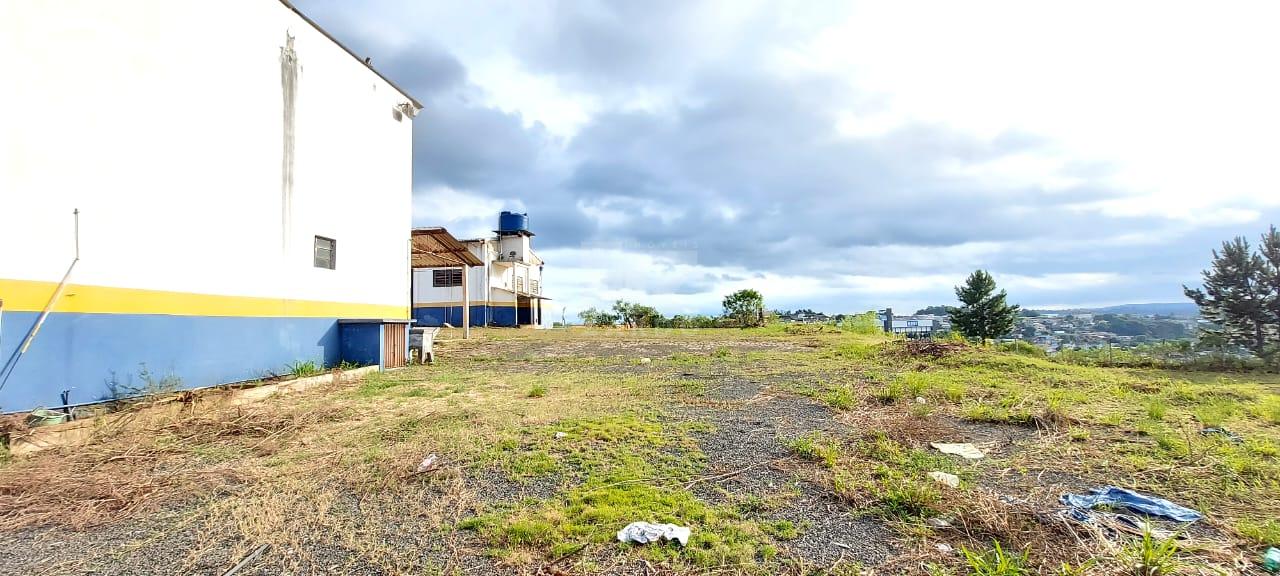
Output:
x=446 y=278
x=326 y=253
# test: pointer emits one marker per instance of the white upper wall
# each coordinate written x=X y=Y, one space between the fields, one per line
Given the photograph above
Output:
x=499 y=279
x=162 y=121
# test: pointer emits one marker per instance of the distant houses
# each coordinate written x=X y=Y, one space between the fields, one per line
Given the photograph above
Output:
x=243 y=184
x=804 y=316
x=914 y=326
x=493 y=281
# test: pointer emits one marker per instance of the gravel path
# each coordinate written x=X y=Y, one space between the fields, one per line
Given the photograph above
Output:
x=752 y=425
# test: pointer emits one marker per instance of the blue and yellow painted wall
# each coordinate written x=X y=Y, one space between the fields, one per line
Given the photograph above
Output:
x=194 y=234
x=96 y=334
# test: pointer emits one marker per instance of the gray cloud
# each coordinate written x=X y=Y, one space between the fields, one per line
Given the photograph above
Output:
x=747 y=168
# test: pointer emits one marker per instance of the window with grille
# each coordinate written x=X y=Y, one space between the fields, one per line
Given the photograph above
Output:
x=446 y=278
x=519 y=284
x=326 y=253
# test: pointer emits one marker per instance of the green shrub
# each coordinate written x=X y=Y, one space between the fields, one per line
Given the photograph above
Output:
x=537 y=391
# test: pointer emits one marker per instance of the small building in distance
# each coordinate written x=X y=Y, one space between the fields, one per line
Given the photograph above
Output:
x=499 y=279
x=916 y=326
x=804 y=316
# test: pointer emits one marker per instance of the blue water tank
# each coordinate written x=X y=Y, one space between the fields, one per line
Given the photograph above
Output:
x=511 y=222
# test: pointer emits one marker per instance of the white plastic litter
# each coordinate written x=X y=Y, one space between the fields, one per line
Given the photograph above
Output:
x=645 y=360
x=428 y=464
x=560 y=435
x=943 y=478
x=920 y=400
x=644 y=533
x=965 y=450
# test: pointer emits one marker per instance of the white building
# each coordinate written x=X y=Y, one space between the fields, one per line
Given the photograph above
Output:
x=503 y=284
x=242 y=180
x=915 y=327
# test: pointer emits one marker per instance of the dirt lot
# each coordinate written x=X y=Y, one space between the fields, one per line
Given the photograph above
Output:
x=783 y=452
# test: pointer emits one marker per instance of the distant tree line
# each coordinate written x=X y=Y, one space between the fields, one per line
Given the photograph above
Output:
x=742 y=309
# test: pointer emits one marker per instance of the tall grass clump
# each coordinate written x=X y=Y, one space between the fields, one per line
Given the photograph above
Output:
x=1153 y=556
x=1156 y=408
x=300 y=369
x=996 y=562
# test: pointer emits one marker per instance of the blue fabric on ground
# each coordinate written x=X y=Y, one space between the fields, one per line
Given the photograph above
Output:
x=1128 y=499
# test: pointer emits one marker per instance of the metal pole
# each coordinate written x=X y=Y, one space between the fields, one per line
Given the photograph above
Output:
x=466 y=301
x=44 y=314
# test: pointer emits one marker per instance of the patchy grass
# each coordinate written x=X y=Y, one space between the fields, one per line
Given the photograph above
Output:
x=816 y=447
x=551 y=441
x=840 y=398
x=1260 y=533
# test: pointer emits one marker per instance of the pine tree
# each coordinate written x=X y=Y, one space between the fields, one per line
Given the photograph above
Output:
x=1241 y=295
x=984 y=313
x=1270 y=282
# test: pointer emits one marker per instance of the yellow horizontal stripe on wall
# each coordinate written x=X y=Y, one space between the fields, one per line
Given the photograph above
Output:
x=32 y=296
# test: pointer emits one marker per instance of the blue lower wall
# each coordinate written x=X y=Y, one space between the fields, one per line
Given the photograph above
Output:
x=502 y=316
x=480 y=316
x=361 y=343
x=451 y=315
x=81 y=352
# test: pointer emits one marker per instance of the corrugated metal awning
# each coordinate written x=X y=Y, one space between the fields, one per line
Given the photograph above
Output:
x=435 y=247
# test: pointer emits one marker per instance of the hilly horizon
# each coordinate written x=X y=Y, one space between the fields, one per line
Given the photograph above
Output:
x=1180 y=309
x=1184 y=309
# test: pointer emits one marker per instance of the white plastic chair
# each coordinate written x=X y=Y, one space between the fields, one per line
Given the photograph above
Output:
x=423 y=339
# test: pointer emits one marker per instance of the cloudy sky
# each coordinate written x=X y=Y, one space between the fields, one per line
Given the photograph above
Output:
x=842 y=156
